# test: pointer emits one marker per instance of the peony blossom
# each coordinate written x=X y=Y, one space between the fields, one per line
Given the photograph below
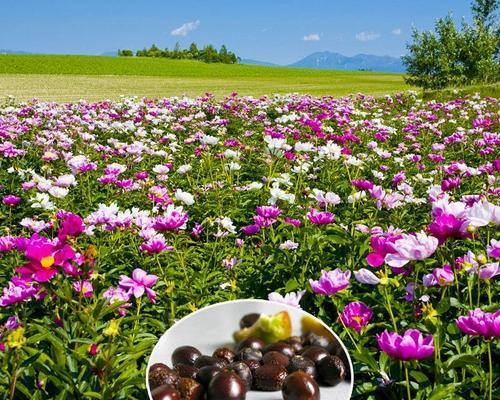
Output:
x=411 y=247
x=139 y=283
x=412 y=345
x=320 y=217
x=356 y=315
x=331 y=282
x=364 y=275
x=292 y=299
x=480 y=323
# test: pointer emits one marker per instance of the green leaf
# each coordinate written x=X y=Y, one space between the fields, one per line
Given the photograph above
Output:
x=461 y=360
x=420 y=377
x=291 y=285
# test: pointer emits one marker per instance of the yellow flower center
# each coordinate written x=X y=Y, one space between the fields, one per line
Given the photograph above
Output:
x=357 y=318
x=47 y=261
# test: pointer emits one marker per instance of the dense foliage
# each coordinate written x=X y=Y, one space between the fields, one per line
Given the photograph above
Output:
x=451 y=56
x=208 y=54
x=118 y=218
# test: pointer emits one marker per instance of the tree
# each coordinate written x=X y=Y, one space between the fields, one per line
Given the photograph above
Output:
x=484 y=12
x=125 y=53
x=193 y=49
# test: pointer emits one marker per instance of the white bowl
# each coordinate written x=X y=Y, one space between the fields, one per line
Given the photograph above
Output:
x=213 y=327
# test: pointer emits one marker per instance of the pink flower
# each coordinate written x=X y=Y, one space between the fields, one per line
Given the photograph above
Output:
x=320 y=217
x=381 y=245
x=480 y=323
x=19 y=290
x=447 y=226
x=493 y=250
x=356 y=315
x=292 y=221
x=139 y=283
x=411 y=247
x=72 y=225
x=366 y=276
x=11 y=200
x=118 y=294
x=155 y=244
x=412 y=345
x=84 y=288
x=331 y=282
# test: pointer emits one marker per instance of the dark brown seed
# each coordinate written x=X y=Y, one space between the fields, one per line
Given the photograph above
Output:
x=252 y=364
x=296 y=343
x=248 y=320
x=331 y=370
x=158 y=365
x=301 y=363
x=249 y=354
x=269 y=377
x=185 y=355
x=243 y=371
x=253 y=342
x=276 y=358
x=314 y=353
x=283 y=348
x=300 y=386
x=225 y=353
x=190 y=389
x=311 y=339
x=205 y=374
x=186 y=371
x=162 y=376
x=340 y=353
x=226 y=385
x=203 y=361
x=165 y=392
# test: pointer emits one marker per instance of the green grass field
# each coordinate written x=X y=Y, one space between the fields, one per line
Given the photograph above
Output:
x=69 y=78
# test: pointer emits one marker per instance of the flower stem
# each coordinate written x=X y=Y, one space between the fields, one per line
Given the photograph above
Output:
x=490 y=392
x=12 y=388
x=407 y=382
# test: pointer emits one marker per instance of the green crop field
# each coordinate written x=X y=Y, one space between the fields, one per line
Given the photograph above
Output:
x=69 y=78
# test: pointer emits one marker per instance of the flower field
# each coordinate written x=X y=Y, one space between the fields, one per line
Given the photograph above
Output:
x=378 y=215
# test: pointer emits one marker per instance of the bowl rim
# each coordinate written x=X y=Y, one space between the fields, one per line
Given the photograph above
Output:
x=258 y=301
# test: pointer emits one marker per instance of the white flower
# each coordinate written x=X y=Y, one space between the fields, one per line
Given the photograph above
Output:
x=211 y=140
x=65 y=181
x=289 y=245
x=161 y=169
x=229 y=153
x=304 y=147
x=185 y=197
x=331 y=151
x=292 y=299
x=482 y=213
x=184 y=168
x=233 y=166
x=58 y=192
x=42 y=200
x=227 y=224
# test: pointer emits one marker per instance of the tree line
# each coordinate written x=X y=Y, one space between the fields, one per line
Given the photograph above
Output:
x=453 y=56
x=208 y=54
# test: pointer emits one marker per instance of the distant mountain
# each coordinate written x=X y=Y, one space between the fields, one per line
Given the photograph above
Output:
x=256 y=62
x=8 y=51
x=368 y=62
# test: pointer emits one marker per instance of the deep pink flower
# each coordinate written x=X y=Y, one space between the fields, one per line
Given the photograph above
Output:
x=44 y=258
x=440 y=276
x=412 y=345
x=356 y=315
x=447 y=226
x=155 y=244
x=381 y=246
x=320 y=217
x=362 y=184
x=291 y=221
x=11 y=200
x=251 y=229
x=331 y=282
x=139 y=283
x=72 y=225
x=493 y=249
x=480 y=323
x=84 y=288
x=268 y=212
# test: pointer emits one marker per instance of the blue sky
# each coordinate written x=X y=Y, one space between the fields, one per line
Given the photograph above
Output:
x=280 y=31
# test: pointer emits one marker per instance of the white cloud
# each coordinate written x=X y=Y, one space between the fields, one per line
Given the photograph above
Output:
x=367 y=36
x=312 y=37
x=396 y=31
x=184 y=29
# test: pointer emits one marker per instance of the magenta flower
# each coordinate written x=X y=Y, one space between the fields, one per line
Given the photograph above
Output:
x=480 y=323
x=174 y=218
x=493 y=249
x=381 y=245
x=18 y=290
x=331 y=282
x=489 y=271
x=412 y=345
x=11 y=200
x=356 y=315
x=292 y=221
x=443 y=276
x=268 y=212
x=155 y=245
x=44 y=258
x=250 y=229
x=72 y=225
x=320 y=217
x=447 y=226
x=139 y=283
